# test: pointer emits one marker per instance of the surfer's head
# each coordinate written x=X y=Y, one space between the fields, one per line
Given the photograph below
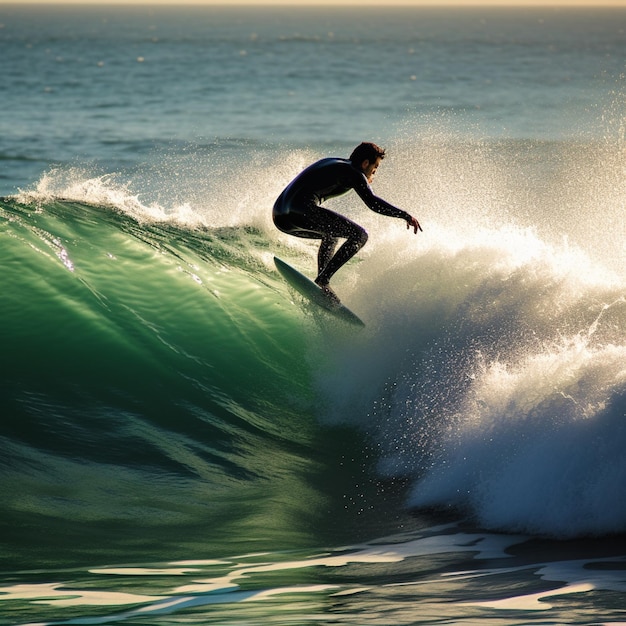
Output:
x=366 y=151
x=367 y=157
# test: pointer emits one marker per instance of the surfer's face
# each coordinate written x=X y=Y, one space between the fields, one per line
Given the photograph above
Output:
x=369 y=168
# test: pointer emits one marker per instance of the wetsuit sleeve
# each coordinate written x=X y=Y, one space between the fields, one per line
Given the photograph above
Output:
x=374 y=202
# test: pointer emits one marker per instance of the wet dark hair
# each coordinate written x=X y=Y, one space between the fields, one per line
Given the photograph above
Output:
x=366 y=151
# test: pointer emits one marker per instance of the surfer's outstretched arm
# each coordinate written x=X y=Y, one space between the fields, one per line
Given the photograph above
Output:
x=384 y=208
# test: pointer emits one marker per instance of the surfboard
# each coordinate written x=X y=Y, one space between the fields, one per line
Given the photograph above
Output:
x=312 y=292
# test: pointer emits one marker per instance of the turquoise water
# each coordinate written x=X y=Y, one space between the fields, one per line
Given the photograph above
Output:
x=186 y=441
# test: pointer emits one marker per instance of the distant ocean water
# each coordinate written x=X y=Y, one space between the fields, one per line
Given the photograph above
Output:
x=183 y=440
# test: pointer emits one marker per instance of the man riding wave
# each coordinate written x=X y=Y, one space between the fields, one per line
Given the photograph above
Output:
x=298 y=210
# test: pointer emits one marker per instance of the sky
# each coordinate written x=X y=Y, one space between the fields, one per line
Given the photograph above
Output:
x=381 y=3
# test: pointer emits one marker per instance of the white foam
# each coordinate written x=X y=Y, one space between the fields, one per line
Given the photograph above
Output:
x=490 y=361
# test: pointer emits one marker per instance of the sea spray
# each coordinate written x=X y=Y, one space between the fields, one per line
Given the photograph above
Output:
x=494 y=348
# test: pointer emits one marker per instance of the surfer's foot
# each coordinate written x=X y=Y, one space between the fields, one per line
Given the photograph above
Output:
x=330 y=294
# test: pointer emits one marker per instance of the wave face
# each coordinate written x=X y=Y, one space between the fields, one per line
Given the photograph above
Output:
x=158 y=374
x=152 y=378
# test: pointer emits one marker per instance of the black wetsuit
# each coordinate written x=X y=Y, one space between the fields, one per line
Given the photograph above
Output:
x=297 y=211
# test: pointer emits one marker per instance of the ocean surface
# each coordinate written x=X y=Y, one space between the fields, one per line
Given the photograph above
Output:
x=184 y=440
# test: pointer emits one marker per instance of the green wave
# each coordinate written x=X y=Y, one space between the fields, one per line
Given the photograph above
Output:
x=156 y=377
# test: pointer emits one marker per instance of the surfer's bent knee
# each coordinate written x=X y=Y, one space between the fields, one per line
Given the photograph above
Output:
x=360 y=237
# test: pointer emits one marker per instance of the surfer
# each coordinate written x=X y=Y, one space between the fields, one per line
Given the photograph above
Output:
x=298 y=210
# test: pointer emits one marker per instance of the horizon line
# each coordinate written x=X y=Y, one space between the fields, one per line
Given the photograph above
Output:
x=549 y=4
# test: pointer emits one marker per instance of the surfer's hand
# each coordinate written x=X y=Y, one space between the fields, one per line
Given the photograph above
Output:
x=411 y=221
